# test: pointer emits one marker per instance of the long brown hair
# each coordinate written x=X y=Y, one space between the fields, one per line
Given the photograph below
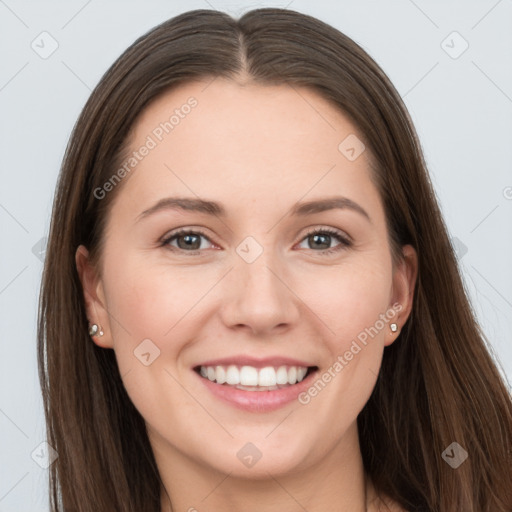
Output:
x=438 y=383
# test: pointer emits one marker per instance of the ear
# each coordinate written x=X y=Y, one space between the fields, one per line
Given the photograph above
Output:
x=404 y=281
x=94 y=297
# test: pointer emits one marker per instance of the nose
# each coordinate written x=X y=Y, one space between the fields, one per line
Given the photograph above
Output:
x=259 y=298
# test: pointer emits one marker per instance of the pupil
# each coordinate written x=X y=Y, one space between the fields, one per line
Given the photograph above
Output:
x=316 y=238
x=188 y=241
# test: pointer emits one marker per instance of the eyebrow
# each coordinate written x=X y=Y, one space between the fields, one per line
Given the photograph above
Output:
x=216 y=209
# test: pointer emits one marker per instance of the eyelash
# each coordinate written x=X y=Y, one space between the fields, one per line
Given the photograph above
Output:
x=345 y=242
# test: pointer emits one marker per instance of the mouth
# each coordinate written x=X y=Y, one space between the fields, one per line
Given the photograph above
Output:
x=256 y=389
x=251 y=378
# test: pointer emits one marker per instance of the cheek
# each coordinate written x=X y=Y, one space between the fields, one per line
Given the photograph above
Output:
x=152 y=311
x=151 y=301
x=355 y=315
x=157 y=310
x=349 y=299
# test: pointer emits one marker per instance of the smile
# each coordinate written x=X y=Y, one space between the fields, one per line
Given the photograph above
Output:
x=257 y=389
x=250 y=378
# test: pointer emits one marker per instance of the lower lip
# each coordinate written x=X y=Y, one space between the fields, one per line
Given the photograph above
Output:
x=258 y=401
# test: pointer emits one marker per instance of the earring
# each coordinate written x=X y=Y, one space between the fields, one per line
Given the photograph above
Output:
x=393 y=327
x=95 y=330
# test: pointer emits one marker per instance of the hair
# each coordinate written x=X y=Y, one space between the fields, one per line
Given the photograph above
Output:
x=439 y=382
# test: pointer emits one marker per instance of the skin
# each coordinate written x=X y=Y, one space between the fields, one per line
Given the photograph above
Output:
x=257 y=150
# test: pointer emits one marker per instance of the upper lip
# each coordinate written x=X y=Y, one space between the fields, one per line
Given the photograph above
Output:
x=244 y=360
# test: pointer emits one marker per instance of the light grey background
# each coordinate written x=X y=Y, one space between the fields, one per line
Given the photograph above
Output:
x=461 y=105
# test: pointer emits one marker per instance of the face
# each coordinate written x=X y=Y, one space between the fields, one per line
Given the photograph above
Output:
x=290 y=271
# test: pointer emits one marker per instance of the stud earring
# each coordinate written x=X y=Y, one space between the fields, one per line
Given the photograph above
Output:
x=95 y=330
x=393 y=327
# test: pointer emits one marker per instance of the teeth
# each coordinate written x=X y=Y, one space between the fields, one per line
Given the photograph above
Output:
x=254 y=379
x=301 y=373
x=292 y=375
x=249 y=376
x=220 y=374
x=232 y=376
x=282 y=375
x=267 y=377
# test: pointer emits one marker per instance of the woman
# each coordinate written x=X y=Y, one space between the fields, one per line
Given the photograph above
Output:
x=198 y=350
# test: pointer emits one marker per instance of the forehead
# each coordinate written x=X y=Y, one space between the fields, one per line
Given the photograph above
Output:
x=246 y=115
x=245 y=142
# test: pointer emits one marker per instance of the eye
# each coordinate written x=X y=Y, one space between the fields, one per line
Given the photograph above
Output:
x=321 y=237
x=186 y=240
x=190 y=241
